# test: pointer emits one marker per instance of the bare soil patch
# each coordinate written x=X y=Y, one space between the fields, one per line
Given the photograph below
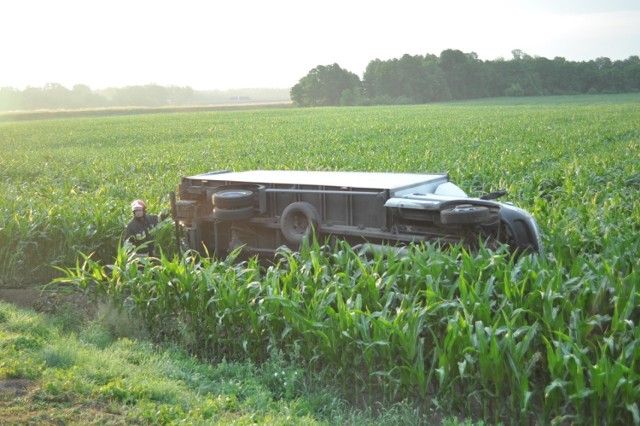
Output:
x=45 y=301
x=10 y=388
x=23 y=297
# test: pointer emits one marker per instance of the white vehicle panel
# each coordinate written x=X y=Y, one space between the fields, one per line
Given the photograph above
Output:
x=373 y=180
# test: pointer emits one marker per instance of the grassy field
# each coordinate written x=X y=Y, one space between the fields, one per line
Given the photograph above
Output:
x=552 y=338
x=55 y=369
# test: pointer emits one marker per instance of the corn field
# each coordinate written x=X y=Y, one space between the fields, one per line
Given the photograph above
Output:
x=550 y=338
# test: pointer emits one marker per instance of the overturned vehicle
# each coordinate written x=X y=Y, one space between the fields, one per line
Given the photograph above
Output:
x=264 y=210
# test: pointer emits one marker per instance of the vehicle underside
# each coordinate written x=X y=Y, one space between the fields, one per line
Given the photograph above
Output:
x=219 y=214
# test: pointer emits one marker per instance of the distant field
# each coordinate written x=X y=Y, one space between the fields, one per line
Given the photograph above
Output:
x=573 y=162
x=109 y=111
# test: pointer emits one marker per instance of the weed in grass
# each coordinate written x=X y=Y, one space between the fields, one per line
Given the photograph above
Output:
x=120 y=323
x=283 y=380
x=60 y=356
x=96 y=334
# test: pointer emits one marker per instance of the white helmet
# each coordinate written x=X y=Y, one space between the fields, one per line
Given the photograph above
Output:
x=138 y=205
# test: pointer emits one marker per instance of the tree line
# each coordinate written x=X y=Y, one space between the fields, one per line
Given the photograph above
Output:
x=56 y=96
x=80 y=96
x=455 y=75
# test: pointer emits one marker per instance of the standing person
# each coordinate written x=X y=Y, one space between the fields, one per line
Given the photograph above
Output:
x=139 y=230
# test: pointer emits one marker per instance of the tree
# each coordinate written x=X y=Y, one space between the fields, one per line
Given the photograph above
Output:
x=326 y=86
x=410 y=79
x=631 y=73
x=10 y=99
x=83 y=97
x=464 y=73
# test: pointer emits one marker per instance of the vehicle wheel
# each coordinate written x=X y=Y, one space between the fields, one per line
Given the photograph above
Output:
x=243 y=213
x=464 y=214
x=298 y=221
x=233 y=198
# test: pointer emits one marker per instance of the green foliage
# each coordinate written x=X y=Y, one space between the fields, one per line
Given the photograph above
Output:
x=66 y=379
x=326 y=86
x=457 y=75
x=550 y=338
x=60 y=356
x=283 y=380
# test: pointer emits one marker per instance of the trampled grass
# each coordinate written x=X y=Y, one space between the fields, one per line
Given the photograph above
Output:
x=546 y=338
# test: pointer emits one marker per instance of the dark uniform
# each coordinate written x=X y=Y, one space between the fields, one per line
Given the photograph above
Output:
x=140 y=231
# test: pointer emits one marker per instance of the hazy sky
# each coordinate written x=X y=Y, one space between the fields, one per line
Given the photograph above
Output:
x=223 y=44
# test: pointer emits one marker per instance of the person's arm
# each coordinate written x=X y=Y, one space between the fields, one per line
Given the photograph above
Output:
x=153 y=219
x=128 y=233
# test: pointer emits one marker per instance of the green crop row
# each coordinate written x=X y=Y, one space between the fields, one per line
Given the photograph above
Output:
x=550 y=338
x=66 y=183
x=481 y=333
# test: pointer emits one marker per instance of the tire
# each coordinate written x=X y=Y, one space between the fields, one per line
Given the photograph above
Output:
x=233 y=198
x=243 y=213
x=464 y=214
x=298 y=221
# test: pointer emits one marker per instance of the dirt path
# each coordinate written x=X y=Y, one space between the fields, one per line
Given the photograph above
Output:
x=23 y=297
x=47 y=302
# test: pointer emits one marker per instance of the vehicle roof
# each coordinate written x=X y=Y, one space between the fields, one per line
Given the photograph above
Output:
x=377 y=180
